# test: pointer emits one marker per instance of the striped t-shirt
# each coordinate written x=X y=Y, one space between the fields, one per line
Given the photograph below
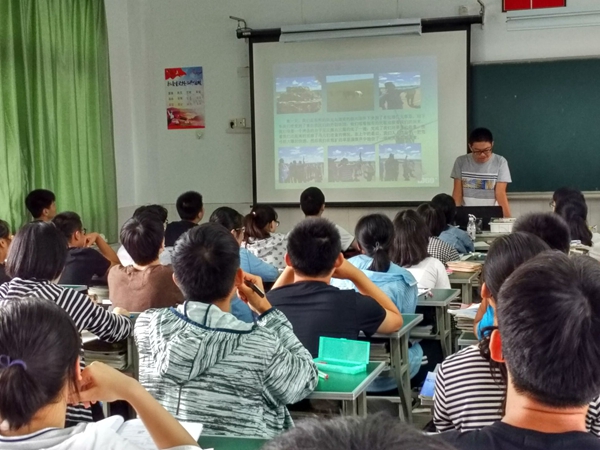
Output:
x=467 y=396
x=85 y=313
x=479 y=179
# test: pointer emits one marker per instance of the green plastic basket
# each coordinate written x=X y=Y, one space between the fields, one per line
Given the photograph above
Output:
x=343 y=355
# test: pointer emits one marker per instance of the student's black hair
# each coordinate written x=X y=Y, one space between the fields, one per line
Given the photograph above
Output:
x=411 y=238
x=68 y=223
x=551 y=228
x=313 y=246
x=549 y=322
x=39 y=344
x=159 y=210
x=4 y=229
x=205 y=262
x=38 y=251
x=311 y=201
x=257 y=221
x=228 y=217
x=507 y=253
x=375 y=234
x=189 y=205
x=564 y=193
x=374 y=432
x=480 y=135
x=574 y=211
x=447 y=205
x=143 y=236
x=38 y=200
x=434 y=218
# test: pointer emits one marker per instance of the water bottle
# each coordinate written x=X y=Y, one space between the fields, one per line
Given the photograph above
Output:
x=472 y=227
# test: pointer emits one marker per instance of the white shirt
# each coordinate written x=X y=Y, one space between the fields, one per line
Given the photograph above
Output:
x=126 y=260
x=430 y=274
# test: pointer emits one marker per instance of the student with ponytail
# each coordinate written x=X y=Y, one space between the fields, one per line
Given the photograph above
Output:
x=260 y=238
x=40 y=375
x=574 y=211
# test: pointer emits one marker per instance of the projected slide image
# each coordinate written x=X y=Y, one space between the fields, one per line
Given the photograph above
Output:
x=298 y=95
x=350 y=93
x=400 y=162
x=400 y=90
x=301 y=164
x=348 y=163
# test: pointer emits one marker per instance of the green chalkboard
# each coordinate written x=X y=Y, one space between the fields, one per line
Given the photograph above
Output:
x=545 y=117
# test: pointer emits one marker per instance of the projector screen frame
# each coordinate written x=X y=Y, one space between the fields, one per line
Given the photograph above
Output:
x=273 y=34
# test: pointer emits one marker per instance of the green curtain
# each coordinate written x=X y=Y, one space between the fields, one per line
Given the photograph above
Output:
x=56 y=114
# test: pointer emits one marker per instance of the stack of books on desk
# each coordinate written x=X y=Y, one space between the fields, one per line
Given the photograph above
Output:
x=422 y=331
x=113 y=355
x=379 y=352
x=464 y=266
x=464 y=317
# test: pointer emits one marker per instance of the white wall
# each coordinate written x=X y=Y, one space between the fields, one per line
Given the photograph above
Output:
x=147 y=36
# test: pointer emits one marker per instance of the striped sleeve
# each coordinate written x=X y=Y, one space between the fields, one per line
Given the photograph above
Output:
x=93 y=318
x=441 y=419
x=592 y=419
x=291 y=373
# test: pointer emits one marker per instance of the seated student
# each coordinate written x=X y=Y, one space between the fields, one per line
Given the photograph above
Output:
x=314 y=307
x=204 y=365
x=409 y=250
x=41 y=375
x=191 y=210
x=452 y=235
x=574 y=212
x=374 y=432
x=565 y=193
x=483 y=406
x=260 y=238
x=548 y=338
x=436 y=222
x=375 y=234
x=312 y=204
x=41 y=204
x=147 y=283
x=233 y=221
x=162 y=214
x=5 y=240
x=35 y=261
x=83 y=263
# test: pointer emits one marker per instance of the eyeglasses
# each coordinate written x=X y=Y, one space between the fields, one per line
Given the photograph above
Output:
x=240 y=230
x=278 y=222
x=84 y=231
x=486 y=152
x=552 y=204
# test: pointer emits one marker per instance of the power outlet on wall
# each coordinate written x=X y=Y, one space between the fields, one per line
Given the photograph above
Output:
x=238 y=125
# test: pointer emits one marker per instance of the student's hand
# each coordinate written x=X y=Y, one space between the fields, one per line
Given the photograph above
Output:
x=100 y=382
x=90 y=239
x=346 y=271
x=256 y=303
x=121 y=311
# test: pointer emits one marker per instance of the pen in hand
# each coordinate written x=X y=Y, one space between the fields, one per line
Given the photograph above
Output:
x=255 y=288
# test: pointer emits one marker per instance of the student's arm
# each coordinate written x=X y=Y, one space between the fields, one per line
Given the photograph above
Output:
x=502 y=198
x=100 y=382
x=287 y=277
x=457 y=192
x=480 y=313
x=105 y=249
x=441 y=416
x=393 y=318
x=258 y=267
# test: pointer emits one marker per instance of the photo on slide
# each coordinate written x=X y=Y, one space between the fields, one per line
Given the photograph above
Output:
x=400 y=90
x=298 y=95
x=350 y=92
x=348 y=163
x=301 y=164
x=400 y=162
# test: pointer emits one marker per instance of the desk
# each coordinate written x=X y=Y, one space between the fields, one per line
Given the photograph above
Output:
x=440 y=301
x=465 y=281
x=488 y=236
x=466 y=339
x=350 y=389
x=231 y=442
x=399 y=361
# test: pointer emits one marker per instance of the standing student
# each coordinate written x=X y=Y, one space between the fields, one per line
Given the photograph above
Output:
x=314 y=307
x=40 y=376
x=83 y=263
x=481 y=177
x=260 y=238
x=5 y=240
x=549 y=339
x=436 y=222
x=35 y=261
x=147 y=283
x=191 y=211
x=204 y=365
x=233 y=221
x=452 y=235
x=312 y=204
x=41 y=204
x=409 y=250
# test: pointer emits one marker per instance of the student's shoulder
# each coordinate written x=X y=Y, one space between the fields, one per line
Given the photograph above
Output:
x=463 y=159
x=467 y=440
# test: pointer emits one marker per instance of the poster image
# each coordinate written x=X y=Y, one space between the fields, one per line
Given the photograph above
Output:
x=185 y=98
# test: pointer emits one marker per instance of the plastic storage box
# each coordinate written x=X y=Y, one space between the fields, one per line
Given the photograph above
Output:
x=502 y=225
x=343 y=355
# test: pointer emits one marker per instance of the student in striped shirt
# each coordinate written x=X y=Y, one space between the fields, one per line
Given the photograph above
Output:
x=35 y=261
